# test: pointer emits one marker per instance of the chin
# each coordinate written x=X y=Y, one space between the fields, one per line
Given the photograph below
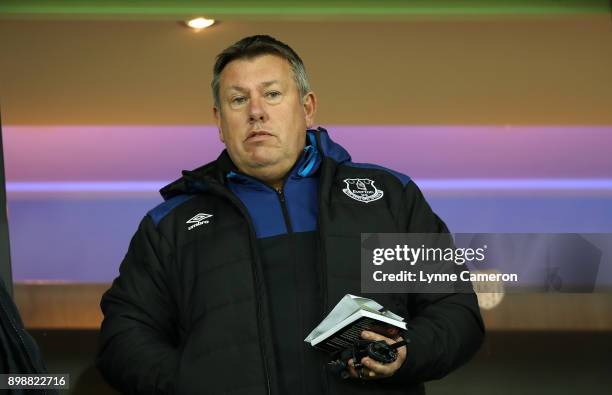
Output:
x=264 y=156
x=258 y=163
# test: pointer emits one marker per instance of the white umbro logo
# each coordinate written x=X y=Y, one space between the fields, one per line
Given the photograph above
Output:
x=198 y=219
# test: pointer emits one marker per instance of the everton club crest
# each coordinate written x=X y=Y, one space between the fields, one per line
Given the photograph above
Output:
x=362 y=190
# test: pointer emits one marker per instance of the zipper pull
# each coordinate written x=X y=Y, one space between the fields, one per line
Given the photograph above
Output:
x=281 y=195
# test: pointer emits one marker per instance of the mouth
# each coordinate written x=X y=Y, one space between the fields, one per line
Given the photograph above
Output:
x=258 y=135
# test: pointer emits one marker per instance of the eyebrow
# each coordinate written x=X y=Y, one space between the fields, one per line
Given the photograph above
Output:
x=263 y=84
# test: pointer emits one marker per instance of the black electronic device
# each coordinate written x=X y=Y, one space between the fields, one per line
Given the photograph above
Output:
x=378 y=350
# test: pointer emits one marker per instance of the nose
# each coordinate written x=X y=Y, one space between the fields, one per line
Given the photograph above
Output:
x=257 y=111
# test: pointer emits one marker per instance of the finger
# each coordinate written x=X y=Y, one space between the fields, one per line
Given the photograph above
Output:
x=378 y=368
x=352 y=370
x=376 y=336
x=401 y=351
x=366 y=374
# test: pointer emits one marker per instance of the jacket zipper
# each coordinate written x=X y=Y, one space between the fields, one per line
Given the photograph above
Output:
x=283 y=203
x=221 y=191
x=281 y=196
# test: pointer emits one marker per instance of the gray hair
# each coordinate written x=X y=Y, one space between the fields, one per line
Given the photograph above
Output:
x=252 y=47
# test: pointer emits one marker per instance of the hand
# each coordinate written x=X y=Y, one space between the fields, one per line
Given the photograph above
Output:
x=373 y=369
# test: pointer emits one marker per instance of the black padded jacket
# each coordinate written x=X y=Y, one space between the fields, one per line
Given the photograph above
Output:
x=187 y=314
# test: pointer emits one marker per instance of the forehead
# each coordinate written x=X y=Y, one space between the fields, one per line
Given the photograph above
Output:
x=253 y=72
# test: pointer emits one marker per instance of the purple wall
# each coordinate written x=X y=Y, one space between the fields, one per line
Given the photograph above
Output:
x=76 y=194
x=137 y=153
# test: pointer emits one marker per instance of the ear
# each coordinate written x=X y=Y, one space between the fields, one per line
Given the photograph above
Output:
x=217 y=115
x=310 y=108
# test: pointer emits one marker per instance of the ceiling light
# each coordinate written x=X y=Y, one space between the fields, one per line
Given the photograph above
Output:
x=200 y=23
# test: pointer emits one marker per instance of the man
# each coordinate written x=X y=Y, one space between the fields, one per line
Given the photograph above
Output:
x=224 y=280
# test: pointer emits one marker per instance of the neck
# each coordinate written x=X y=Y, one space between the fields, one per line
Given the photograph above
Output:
x=275 y=180
x=273 y=176
x=277 y=185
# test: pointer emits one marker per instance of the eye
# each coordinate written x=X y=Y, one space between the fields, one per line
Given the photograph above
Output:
x=238 y=100
x=273 y=94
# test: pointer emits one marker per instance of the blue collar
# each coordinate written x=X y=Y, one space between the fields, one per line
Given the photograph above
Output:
x=294 y=209
x=306 y=166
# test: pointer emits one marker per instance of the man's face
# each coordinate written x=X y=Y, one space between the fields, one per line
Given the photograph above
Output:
x=262 y=120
